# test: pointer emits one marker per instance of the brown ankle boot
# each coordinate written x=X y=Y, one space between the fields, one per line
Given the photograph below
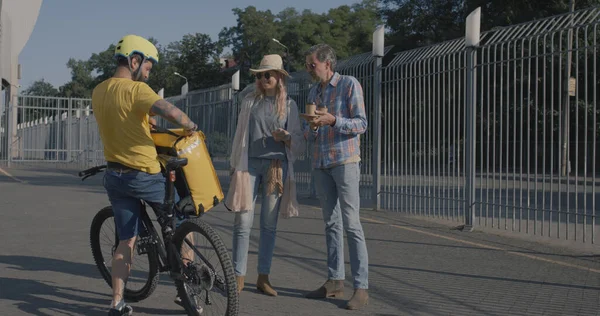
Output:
x=263 y=285
x=240 y=283
x=359 y=300
x=331 y=288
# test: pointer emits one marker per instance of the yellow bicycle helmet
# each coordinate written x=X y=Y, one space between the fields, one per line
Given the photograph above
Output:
x=131 y=44
x=134 y=44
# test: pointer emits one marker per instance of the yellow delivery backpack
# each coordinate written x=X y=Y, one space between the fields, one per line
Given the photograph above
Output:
x=197 y=180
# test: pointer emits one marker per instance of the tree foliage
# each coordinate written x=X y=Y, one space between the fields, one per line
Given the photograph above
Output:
x=41 y=87
x=347 y=28
x=196 y=56
x=417 y=23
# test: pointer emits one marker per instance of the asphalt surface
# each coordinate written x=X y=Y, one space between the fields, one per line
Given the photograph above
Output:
x=417 y=266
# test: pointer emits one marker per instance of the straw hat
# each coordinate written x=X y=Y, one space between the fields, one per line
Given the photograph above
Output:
x=271 y=62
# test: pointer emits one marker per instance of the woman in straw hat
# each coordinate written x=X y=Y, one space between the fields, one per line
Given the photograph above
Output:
x=267 y=141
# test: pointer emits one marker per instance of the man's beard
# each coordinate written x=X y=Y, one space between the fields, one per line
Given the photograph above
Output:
x=314 y=77
x=142 y=79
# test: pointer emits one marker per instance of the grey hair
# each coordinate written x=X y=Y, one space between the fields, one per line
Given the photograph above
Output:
x=324 y=53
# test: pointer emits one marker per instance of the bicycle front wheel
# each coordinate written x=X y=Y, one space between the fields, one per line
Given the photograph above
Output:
x=207 y=284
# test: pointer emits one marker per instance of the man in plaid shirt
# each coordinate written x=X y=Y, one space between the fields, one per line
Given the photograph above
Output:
x=335 y=137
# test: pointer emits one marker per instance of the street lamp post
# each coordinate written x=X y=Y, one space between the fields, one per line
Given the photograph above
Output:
x=378 y=53
x=233 y=110
x=285 y=55
x=472 y=40
x=184 y=91
x=184 y=88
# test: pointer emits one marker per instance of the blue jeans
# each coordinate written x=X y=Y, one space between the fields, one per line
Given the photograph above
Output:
x=338 y=192
x=269 y=214
x=125 y=190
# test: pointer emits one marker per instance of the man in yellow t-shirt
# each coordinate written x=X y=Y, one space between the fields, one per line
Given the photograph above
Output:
x=122 y=105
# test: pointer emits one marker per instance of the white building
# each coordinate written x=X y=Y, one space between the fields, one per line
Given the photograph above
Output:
x=17 y=20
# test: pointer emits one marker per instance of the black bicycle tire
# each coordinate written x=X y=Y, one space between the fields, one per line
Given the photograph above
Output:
x=197 y=225
x=153 y=275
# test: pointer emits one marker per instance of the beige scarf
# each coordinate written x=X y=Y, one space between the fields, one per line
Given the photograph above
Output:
x=275 y=177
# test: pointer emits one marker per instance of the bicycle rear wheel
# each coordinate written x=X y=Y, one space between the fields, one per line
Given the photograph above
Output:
x=140 y=284
x=207 y=282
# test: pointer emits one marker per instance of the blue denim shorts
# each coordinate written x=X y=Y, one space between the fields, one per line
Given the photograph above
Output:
x=125 y=190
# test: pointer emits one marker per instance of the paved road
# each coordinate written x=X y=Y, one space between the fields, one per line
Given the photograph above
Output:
x=417 y=267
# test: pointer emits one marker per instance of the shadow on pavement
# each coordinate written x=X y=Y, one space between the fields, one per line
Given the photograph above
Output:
x=30 y=263
x=40 y=298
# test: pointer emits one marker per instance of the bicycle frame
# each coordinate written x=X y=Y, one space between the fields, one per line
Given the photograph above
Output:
x=169 y=258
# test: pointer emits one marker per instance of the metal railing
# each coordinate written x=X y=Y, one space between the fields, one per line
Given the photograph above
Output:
x=423 y=114
x=4 y=132
x=53 y=129
x=537 y=127
x=529 y=164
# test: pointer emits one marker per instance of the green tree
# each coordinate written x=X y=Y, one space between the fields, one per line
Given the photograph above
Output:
x=251 y=36
x=417 y=23
x=103 y=64
x=347 y=29
x=162 y=76
x=196 y=57
x=81 y=83
x=41 y=88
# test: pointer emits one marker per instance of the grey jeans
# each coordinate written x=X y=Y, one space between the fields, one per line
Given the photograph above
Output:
x=338 y=192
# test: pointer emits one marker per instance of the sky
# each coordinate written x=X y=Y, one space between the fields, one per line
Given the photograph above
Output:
x=79 y=28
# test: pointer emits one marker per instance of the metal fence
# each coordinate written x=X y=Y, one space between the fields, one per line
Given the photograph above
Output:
x=423 y=93
x=529 y=164
x=4 y=139
x=212 y=109
x=497 y=135
x=537 y=127
x=52 y=129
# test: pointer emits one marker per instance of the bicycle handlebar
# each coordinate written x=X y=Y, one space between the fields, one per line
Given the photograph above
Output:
x=90 y=172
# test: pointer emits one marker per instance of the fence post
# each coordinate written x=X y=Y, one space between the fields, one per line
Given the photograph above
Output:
x=9 y=128
x=232 y=122
x=80 y=152
x=378 y=52
x=472 y=34
x=69 y=138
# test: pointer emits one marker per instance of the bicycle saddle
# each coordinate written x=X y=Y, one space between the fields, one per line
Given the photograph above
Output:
x=172 y=163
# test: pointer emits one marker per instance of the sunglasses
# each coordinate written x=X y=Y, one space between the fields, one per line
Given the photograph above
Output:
x=310 y=66
x=260 y=75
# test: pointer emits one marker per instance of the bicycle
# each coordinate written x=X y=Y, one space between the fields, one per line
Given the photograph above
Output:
x=191 y=279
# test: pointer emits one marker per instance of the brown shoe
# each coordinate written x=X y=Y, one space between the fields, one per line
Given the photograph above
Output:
x=331 y=288
x=359 y=300
x=240 y=283
x=263 y=285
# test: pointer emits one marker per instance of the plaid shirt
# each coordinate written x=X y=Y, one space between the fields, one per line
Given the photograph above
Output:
x=334 y=145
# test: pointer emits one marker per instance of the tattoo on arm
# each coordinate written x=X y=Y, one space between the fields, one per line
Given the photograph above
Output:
x=171 y=113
